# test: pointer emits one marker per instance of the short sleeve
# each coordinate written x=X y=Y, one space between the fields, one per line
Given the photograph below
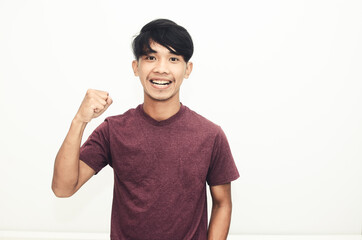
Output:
x=95 y=152
x=222 y=168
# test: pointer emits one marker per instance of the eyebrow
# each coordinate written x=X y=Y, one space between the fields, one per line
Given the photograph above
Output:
x=169 y=52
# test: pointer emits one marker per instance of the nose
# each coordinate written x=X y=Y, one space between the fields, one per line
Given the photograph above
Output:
x=161 y=67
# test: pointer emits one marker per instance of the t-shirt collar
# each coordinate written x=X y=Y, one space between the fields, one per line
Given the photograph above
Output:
x=170 y=120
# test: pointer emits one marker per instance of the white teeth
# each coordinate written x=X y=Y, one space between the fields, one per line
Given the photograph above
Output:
x=161 y=82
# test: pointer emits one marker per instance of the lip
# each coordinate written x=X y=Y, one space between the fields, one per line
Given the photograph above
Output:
x=160 y=79
x=156 y=86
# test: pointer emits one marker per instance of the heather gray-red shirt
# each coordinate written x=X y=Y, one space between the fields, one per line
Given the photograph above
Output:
x=160 y=172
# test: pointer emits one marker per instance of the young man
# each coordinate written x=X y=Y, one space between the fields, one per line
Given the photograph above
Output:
x=162 y=153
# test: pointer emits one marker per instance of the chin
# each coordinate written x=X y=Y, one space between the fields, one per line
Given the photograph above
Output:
x=160 y=98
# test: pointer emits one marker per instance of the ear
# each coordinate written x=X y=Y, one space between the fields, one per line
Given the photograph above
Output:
x=135 y=67
x=188 y=70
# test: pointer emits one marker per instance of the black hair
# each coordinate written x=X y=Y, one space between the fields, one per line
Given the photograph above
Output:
x=166 y=33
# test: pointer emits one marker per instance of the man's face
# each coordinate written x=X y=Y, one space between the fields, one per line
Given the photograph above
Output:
x=161 y=73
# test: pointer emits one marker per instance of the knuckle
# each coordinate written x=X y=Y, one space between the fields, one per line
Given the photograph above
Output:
x=89 y=94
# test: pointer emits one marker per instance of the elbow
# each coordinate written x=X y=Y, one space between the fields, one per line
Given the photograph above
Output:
x=61 y=193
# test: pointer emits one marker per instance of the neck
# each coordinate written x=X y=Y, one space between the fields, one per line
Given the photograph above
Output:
x=161 y=110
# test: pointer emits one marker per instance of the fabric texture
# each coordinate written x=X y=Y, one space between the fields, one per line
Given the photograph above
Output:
x=160 y=172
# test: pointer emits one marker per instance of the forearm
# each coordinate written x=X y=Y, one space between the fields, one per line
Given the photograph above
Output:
x=66 y=167
x=219 y=222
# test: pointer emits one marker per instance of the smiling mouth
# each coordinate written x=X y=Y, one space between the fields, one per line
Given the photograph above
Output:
x=161 y=82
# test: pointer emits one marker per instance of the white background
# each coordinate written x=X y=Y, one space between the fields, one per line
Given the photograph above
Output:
x=283 y=79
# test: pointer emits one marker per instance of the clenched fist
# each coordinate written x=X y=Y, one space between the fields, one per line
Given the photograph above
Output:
x=94 y=104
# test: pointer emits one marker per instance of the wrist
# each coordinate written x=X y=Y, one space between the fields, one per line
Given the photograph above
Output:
x=77 y=120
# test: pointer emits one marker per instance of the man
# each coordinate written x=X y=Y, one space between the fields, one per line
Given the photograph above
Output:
x=162 y=153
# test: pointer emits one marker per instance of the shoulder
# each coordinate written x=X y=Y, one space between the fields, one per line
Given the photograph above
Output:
x=119 y=122
x=201 y=123
x=123 y=118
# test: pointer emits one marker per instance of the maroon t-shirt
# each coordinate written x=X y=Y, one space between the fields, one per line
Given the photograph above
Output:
x=160 y=172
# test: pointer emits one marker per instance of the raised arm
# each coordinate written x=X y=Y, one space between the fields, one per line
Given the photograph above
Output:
x=221 y=212
x=70 y=173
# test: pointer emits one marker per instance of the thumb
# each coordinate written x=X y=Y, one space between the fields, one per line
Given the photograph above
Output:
x=109 y=102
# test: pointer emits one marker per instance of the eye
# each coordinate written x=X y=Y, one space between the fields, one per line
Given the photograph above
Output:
x=174 y=59
x=151 y=58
